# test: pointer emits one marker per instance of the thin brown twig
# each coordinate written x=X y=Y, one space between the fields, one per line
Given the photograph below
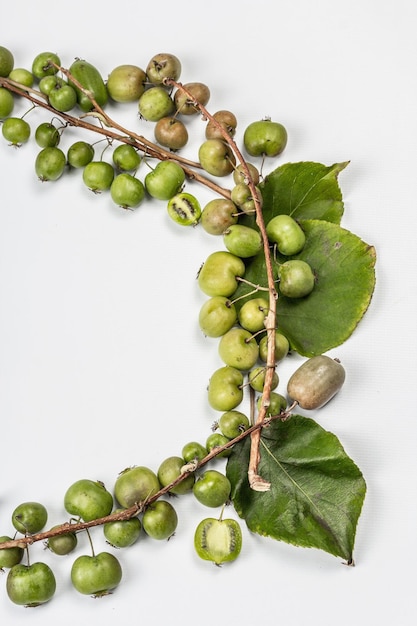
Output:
x=149 y=146
x=191 y=168
x=256 y=482
x=139 y=507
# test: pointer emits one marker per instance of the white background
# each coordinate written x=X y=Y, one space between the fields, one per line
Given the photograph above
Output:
x=102 y=364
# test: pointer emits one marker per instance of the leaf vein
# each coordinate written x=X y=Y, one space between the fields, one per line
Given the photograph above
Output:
x=291 y=479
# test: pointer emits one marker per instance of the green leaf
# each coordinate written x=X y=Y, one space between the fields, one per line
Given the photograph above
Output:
x=305 y=190
x=316 y=494
x=345 y=280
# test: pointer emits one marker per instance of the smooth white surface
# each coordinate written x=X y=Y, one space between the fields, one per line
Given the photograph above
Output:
x=102 y=364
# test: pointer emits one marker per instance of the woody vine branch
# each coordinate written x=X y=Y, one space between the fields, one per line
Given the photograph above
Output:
x=138 y=507
x=112 y=130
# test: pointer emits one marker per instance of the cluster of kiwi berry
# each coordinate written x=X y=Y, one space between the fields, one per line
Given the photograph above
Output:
x=156 y=102
x=135 y=507
x=137 y=501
